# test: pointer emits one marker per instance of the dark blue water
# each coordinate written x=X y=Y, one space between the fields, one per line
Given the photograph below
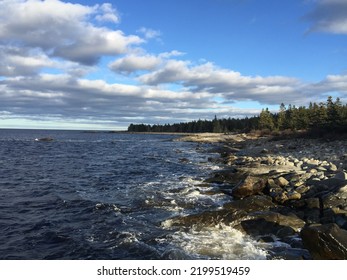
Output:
x=100 y=195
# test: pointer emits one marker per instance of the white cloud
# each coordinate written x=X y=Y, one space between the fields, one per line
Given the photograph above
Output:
x=332 y=83
x=141 y=61
x=173 y=71
x=133 y=63
x=108 y=13
x=65 y=95
x=229 y=84
x=88 y=49
x=20 y=61
x=62 y=29
x=329 y=16
x=149 y=33
x=167 y=55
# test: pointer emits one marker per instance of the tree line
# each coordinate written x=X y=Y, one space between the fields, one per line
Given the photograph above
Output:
x=324 y=116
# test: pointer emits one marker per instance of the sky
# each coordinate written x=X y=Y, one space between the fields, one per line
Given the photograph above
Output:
x=103 y=65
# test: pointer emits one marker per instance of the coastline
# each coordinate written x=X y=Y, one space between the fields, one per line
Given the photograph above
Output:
x=289 y=192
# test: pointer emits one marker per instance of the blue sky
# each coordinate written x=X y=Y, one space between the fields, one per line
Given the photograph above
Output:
x=95 y=65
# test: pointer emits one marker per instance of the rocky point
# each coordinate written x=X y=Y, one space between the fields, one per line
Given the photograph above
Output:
x=292 y=191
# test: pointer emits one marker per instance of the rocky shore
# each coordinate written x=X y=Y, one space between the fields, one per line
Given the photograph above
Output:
x=290 y=193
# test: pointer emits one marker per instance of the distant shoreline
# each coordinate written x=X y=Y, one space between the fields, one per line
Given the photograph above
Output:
x=154 y=133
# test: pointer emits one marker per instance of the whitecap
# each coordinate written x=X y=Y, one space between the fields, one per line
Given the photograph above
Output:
x=219 y=242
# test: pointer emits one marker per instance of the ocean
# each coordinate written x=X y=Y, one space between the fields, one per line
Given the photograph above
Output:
x=99 y=195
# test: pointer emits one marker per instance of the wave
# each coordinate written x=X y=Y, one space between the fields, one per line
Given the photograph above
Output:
x=219 y=242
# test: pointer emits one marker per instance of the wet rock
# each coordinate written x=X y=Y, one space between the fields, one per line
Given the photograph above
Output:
x=325 y=242
x=232 y=213
x=249 y=186
x=226 y=176
x=268 y=222
x=251 y=204
x=287 y=253
x=205 y=219
x=44 y=139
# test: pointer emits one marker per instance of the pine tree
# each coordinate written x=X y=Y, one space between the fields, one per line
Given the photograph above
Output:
x=266 y=120
x=217 y=128
x=281 y=117
x=334 y=112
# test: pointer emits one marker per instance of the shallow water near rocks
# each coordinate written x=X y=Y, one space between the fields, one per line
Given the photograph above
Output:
x=107 y=196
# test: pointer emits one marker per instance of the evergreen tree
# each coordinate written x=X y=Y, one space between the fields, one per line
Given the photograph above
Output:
x=216 y=125
x=322 y=117
x=334 y=112
x=266 y=120
x=303 y=118
x=281 y=117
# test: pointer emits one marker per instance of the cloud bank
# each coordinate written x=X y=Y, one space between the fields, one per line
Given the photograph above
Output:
x=50 y=50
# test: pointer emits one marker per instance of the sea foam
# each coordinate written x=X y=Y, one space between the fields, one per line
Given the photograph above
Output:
x=219 y=242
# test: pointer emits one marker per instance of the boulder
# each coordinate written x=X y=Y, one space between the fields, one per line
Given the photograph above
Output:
x=332 y=183
x=325 y=242
x=293 y=195
x=249 y=186
x=268 y=222
x=204 y=219
x=312 y=210
x=323 y=187
x=341 y=175
x=335 y=215
x=302 y=189
x=282 y=182
x=271 y=184
x=336 y=199
x=225 y=176
x=308 y=209
x=312 y=203
x=288 y=253
x=232 y=212
x=278 y=195
x=251 y=204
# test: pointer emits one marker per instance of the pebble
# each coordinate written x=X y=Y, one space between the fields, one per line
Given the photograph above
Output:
x=294 y=195
x=332 y=167
x=282 y=182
